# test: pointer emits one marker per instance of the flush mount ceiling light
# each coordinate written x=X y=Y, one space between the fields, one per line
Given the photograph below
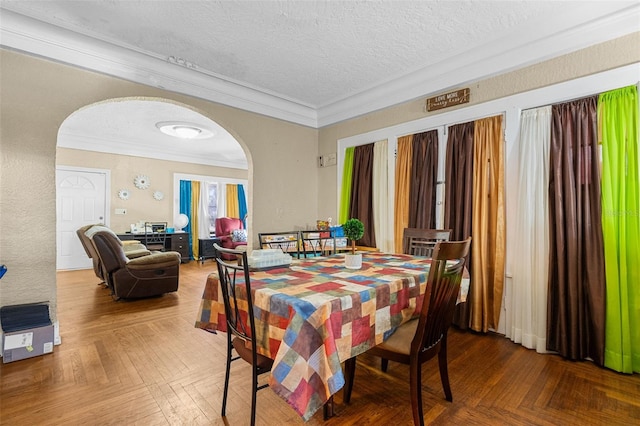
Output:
x=183 y=130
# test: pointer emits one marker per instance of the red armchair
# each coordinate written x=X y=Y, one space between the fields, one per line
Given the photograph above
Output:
x=224 y=230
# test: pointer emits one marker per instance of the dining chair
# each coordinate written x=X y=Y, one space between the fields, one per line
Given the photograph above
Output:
x=421 y=339
x=230 y=275
x=155 y=235
x=421 y=242
x=316 y=243
x=287 y=241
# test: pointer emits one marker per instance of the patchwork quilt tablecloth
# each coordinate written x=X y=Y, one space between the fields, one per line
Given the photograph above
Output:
x=315 y=314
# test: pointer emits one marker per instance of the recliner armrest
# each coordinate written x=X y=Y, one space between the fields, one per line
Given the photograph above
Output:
x=134 y=254
x=132 y=246
x=156 y=259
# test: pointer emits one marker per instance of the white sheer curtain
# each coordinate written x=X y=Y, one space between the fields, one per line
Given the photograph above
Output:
x=203 y=212
x=526 y=320
x=381 y=219
x=222 y=200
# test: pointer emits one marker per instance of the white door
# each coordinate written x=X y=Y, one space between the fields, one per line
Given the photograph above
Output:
x=80 y=200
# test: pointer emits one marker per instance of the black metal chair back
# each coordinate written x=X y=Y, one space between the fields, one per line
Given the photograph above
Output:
x=287 y=241
x=230 y=274
x=155 y=235
x=235 y=284
x=317 y=243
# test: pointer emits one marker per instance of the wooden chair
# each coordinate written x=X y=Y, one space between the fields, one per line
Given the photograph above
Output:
x=421 y=339
x=421 y=242
x=155 y=235
x=242 y=333
x=287 y=241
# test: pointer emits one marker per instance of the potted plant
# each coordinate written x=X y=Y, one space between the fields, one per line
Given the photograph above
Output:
x=353 y=230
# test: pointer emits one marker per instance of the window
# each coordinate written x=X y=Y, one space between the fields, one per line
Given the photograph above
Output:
x=212 y=188
x=213 y=198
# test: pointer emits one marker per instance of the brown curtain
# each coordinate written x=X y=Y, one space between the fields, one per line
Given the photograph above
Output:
x=403 y=185
x=458 y=197
x=424 y=176
x=362 y=192
x=488 y=227
x=576 y=301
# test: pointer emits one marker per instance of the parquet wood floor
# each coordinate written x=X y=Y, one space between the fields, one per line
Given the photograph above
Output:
x=144 y=363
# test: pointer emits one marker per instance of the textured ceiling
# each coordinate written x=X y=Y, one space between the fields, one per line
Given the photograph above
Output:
x=311 y=52
x=313 y=62
x=128 y=126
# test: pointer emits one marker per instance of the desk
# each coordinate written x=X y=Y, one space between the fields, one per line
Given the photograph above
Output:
x=316 y=314
x=177 y=241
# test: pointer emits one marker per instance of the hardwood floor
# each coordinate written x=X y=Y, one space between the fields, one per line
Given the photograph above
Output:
x=144 y=363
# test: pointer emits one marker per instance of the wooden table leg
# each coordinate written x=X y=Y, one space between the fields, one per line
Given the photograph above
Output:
x=328 y=408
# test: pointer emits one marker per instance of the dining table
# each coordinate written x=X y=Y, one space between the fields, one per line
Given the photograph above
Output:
x=314 y=314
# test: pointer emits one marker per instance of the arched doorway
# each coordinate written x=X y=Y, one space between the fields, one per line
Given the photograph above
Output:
x=122 y=139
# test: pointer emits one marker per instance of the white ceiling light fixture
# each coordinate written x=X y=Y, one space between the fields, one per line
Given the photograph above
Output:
x=184 y=130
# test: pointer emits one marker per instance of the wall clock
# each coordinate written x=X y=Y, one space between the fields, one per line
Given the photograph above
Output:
x=123 y=194
x=158 y=195
x=142 y=182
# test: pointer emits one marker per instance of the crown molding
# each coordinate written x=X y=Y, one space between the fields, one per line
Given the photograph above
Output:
x=492 y=59
x=38 y=38
x=35 y=37
x=119 y=147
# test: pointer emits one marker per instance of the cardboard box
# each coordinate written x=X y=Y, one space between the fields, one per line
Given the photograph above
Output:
x=27 y=343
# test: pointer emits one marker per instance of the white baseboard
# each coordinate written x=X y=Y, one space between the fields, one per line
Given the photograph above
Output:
x=56 y=333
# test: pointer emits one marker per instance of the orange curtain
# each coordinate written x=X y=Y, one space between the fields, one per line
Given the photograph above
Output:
x=233 y=209
x=488 y=224
x=403 y=189
x=195 y=217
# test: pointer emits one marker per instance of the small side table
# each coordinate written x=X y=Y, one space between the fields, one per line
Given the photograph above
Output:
x=205 y=248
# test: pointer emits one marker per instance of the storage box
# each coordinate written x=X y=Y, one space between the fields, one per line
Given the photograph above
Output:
x=27 y=331
x=27 y=343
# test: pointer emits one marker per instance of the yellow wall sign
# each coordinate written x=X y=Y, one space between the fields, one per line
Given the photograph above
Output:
x=448 y=99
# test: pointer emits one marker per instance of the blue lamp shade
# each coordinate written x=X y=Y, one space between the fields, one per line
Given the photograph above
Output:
x=182 y=221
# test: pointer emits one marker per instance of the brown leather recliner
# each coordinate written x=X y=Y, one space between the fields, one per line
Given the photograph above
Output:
x=145 y=276
x=90 y=250
x=132 y=249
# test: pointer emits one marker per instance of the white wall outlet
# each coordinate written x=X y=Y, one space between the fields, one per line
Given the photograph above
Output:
x=330 y=159
x=121 y=211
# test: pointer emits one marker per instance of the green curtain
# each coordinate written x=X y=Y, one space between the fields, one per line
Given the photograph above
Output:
x=618 y=123
x=345 y=192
